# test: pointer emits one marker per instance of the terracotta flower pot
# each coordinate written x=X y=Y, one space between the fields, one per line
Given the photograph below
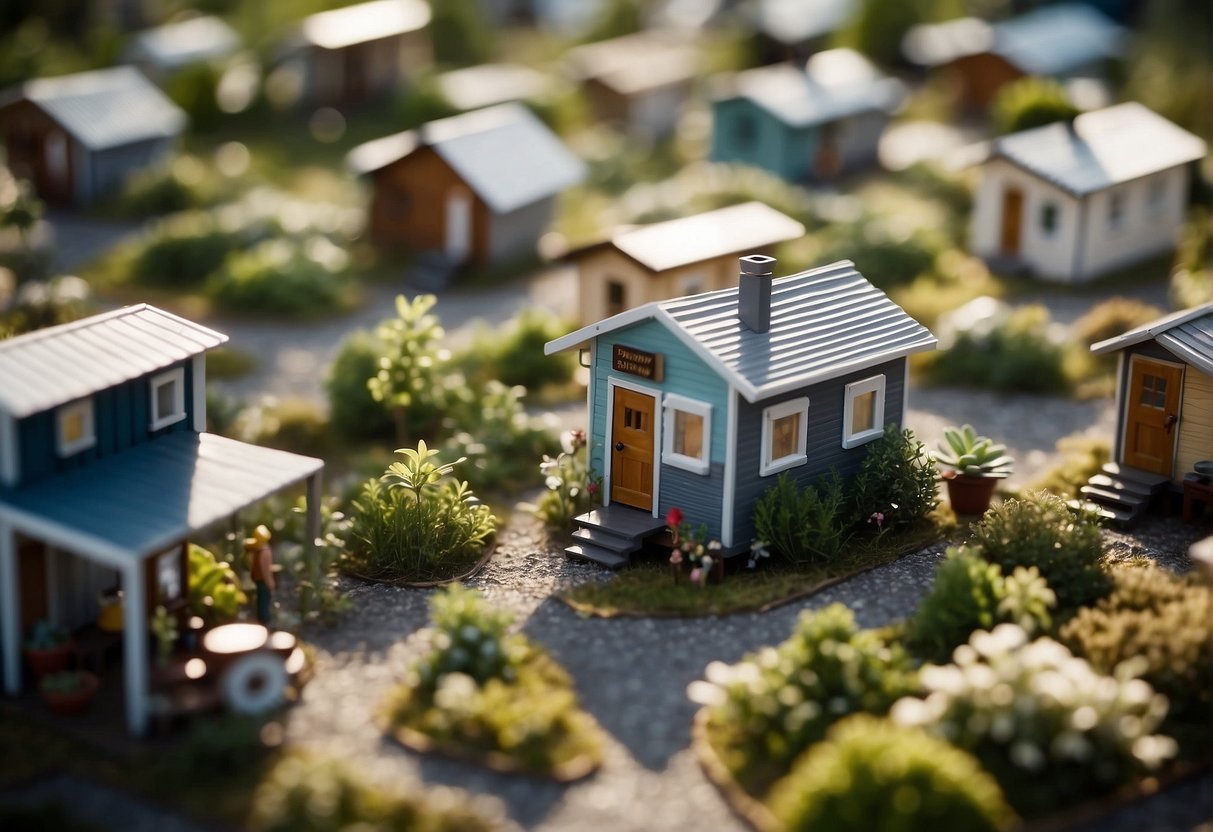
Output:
x=74 y=700
x=43 y=662
x=970 y=495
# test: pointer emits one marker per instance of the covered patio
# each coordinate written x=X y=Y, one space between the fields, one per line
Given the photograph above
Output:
x=120 y=511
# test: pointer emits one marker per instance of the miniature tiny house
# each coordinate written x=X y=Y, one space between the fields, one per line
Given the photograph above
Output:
x=1064 y=40
x=792 y=30
x=1071 y=201
x=699 y=402
x=163 y=50
x=79 y=137
x=480 y=186
x=804 y=121
x=105 y=472
x=679 y=257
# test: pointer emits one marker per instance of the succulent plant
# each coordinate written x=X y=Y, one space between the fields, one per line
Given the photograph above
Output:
x=976 y=456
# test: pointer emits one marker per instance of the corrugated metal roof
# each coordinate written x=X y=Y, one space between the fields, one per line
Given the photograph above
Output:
x=634 y=63
x=43 y=369
x=339 y=28
x=107 y=107
x=177 y=44
x=833 y=84
x=1101 y=148
x=505 y=154
x=156 y=493
x=794 y=21
x=825 y=322
x=732 y=230
x=1050 y=40
x=1187 y=334
x=484 y=85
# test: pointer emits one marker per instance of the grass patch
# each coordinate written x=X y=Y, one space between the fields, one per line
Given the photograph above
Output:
x=649 y=590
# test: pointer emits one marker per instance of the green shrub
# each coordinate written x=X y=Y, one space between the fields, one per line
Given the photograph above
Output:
x=353 y=411
x=409 y=526
x=192 y=88
x=215 y=748
x=1153 y=614
x=1030 y=102
x=1052 y=730
x=1040 y=530
x=571 y=488
x=1112 y=317
x=886 y=259
x=470 y=637
x=870 y=775
x=305 y=794
x=305 y=278
x=971 y=594
x=766 y=710
x=182 y=251
x=515 y=356
x=804 y=525
x=411 y=380
x=296 y=425
x=897 y=479
x=183 y=185
x=214 y=587
x=1016 y=351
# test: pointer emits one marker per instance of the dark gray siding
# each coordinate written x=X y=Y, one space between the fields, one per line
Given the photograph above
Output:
x=824 y=443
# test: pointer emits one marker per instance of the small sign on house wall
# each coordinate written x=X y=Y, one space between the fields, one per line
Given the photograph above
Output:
x=647 y=365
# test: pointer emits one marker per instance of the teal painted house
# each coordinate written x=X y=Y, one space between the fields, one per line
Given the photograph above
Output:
x=106 y=471
x=804 y=122
x=698 y=402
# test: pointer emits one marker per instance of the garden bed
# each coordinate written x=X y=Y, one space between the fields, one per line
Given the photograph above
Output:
x=485 y=556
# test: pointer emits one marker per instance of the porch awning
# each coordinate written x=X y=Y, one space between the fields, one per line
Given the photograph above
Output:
x=139 y=501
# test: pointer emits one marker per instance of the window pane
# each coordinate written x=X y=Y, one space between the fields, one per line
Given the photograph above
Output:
x=165 y=400
x=688 y=434
x=863 y=412
x=785 y=436
x=73 y=426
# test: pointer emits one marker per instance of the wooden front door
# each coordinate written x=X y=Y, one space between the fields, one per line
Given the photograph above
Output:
x=1151 y=413
x=31 y=580
x=632 y=431
x=1012 y=221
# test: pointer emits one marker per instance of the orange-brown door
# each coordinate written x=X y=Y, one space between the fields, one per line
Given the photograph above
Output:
x=632 y=449
x=1012 y=221
x=1151 y=414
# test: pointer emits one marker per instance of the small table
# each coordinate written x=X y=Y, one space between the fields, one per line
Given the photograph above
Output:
x=1196 y=489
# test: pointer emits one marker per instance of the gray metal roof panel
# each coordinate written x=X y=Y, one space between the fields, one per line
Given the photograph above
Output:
x=1192 y=341
x=1153 y=329
x=158 y=492
x=107 y=107
x=1101 y=148
x=1056 y=39
x=635 y=63
x=52 y=366
x=362 y=22
x=174 y=45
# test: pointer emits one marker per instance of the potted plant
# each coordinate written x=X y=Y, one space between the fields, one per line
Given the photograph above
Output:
x=69 y=691
x=48 y=649
x=974 y=465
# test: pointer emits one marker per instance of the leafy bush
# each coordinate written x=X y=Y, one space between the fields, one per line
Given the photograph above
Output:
x=571 y=488
x=515 y=356
x=353 y=411
x=885 y=258
x=215 y=748
x=871 y=775
x=192 y=88
x=1012 y=351
x=408 y=525
x=296 y=425
x=305 y=794
x=283 y=277
x=1051 y=729
x=182 y=251
x=766 y=710
x=1153 y=614
x=183 y=185
x=484 y=691
x=411 y=380
x=897 y=479
x=214 y=587
x=1041 y=530
x=1030 y=102
x=971 y=594
x=804 y=525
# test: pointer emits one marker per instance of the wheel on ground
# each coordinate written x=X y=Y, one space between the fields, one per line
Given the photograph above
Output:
x=254 y=684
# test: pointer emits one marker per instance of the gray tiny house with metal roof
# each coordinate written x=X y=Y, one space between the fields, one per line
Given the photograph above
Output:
x=105 y=472
x=699 y=402
x=79 y=137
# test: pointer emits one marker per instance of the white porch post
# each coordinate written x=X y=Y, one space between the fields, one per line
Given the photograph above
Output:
x=134 y=632
x=10 y=610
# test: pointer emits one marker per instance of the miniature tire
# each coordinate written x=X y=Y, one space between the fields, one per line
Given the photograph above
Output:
x=254 y=684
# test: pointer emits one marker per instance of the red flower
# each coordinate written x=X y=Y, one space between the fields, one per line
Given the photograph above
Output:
x=592 y=487
x=674 y=518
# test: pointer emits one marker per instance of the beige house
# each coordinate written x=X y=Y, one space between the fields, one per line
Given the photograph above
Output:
x=687 y=256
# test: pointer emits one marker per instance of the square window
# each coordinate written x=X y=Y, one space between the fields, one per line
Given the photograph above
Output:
x=75 y=425
x=686 y=437
x=168 y=398
x=1048 y=218
x=616 y=297
x=785 y=431
x=863 y=411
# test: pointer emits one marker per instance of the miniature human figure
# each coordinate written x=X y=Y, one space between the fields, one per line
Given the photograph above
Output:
x=261 y=568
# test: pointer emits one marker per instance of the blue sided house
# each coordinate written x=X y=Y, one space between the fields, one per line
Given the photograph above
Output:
x=106 y=471
x=699 y=402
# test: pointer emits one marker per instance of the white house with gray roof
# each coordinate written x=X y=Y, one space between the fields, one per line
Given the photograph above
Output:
x=479 y=187
x=80 y=137
x=699 y=402
x=1071 y=201
x=163 y=50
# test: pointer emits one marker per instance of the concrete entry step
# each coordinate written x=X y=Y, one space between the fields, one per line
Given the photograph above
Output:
x=594 y=554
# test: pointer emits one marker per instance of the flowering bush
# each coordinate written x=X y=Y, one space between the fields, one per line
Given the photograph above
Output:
x=774 y=704
x=469 y=638
x=1049 y=727
x=572 y=488
x=692 y=546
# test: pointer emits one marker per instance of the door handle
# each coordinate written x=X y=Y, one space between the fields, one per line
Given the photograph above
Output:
x=1170 y=422
x=619 y=446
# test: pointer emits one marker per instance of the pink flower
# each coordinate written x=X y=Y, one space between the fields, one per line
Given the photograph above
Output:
x=674 y=518
x=676 y=557
x=578 y=438
x=695 y=573
x=592 y=487
x=877 y=518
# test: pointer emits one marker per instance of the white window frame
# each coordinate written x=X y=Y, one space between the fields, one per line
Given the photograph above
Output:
x=175 y=377
x=854 y=390
x=696 y=465
x=768 y=466
x=88 y=433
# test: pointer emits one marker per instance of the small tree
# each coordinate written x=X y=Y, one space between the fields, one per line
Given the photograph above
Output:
x=1030 y=102
x=461 y=33
x=19 y=208
x=410 y=380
